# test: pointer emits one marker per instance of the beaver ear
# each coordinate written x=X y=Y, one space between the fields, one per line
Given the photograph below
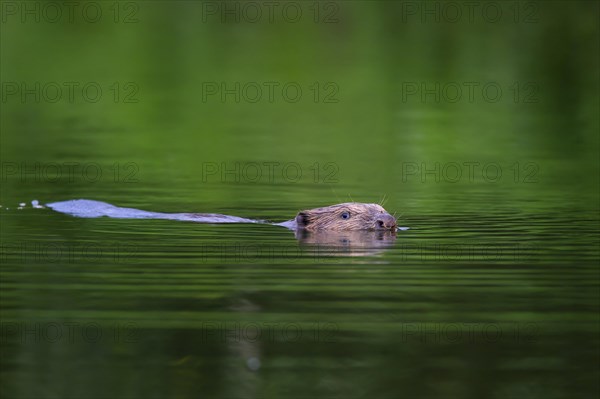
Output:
x=302 y=220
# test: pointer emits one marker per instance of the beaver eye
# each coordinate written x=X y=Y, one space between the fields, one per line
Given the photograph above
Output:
x=345 y=215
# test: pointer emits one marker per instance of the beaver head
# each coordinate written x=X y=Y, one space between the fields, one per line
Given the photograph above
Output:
x=347 y=216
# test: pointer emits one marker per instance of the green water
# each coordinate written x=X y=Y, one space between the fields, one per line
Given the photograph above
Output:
x=493 y=292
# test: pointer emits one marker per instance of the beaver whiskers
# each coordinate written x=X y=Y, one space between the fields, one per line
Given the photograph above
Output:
x=349 y=216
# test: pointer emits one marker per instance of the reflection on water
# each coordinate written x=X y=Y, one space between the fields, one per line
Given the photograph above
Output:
x=346 y=243
x=238 y=307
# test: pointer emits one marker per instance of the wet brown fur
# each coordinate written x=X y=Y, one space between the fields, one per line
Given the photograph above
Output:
x=360 y=217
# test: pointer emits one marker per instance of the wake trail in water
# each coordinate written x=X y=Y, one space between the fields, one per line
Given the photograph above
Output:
x=94 y=209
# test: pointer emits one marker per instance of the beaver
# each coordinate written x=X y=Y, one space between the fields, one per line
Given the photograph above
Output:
x=349 y=216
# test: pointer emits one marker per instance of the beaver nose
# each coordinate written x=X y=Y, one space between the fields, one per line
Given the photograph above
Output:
x=386 y=221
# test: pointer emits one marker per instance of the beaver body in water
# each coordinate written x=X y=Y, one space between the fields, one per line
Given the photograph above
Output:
x=350 y=216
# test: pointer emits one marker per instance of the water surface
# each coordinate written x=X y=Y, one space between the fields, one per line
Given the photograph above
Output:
x=493 y=292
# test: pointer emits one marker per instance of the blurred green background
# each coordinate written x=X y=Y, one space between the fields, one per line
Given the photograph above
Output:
x=372 y=54
x=395 y=98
